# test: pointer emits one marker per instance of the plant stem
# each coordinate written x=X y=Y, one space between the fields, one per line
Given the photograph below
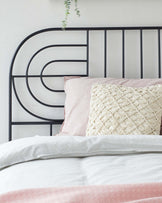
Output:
x=67 y=4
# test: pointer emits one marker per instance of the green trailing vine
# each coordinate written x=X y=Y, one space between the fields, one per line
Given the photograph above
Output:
x=67 y=4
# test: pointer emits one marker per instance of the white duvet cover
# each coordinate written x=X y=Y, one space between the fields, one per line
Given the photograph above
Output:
x=70 y=160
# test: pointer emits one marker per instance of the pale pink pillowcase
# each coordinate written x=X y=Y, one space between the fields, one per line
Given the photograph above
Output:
x=78 y=93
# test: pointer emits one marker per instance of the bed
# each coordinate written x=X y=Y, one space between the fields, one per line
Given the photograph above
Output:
x=70 y=167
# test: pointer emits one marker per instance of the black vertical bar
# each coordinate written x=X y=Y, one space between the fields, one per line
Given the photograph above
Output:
x=88 y=52
x=141 y=51
x=10 y=109
x=123 y=53
x=159 y=53
x=50 y=129
x=105 y=53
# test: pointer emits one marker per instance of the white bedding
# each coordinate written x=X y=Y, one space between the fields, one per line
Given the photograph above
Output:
x=70 y=160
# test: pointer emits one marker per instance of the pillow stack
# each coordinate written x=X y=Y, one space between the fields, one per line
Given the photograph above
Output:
x=80 y=116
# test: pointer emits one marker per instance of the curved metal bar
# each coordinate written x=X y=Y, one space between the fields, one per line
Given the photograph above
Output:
x=30 y=61
x=57 y=61
x=18 y=99
x=43 y=103
x=34 y=97
x=51 y=46
x=76 y=29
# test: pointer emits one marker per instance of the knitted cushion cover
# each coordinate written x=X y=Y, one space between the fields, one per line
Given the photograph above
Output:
x=124 y=110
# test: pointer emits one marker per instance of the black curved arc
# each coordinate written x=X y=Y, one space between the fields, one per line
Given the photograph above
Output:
x=30 y=61
x=76 y=29
x=57 y=61
x=19 y=101
x=51 y=46
x=42 y=103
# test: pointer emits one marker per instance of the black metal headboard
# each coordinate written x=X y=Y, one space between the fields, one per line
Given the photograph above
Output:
x=13 y=77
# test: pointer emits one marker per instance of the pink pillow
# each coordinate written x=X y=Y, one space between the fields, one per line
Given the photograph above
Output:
x=78 y=92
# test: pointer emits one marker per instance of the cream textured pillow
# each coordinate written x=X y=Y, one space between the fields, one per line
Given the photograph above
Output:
x=125 y=110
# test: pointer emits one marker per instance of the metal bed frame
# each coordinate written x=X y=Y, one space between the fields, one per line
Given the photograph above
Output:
x=87 y=30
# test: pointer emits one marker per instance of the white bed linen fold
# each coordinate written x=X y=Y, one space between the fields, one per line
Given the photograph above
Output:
x=43 y=147
x=39 y=162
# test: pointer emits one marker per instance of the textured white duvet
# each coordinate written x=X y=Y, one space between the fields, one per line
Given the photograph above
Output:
x=70 y=160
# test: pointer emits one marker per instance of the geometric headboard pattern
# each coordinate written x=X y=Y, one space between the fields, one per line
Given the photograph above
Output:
x=42 y=75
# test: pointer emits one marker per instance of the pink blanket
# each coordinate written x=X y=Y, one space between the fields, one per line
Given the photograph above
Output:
x=88 y=194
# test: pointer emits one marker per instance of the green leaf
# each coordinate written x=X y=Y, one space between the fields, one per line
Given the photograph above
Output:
x=67 y=4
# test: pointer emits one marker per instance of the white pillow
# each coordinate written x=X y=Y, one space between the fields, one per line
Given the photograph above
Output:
x=123 y=110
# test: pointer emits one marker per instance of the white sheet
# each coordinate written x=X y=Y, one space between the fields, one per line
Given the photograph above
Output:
x=115 y=160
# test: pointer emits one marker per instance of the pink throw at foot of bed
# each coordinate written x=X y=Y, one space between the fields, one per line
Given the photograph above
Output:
x=132 y=193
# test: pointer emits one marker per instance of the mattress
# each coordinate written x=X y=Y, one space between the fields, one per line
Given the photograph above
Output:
x=64 y=161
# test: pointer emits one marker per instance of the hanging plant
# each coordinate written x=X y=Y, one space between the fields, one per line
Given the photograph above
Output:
x=67 y=4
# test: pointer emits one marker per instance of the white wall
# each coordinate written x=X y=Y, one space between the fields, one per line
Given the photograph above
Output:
x=18 y=18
